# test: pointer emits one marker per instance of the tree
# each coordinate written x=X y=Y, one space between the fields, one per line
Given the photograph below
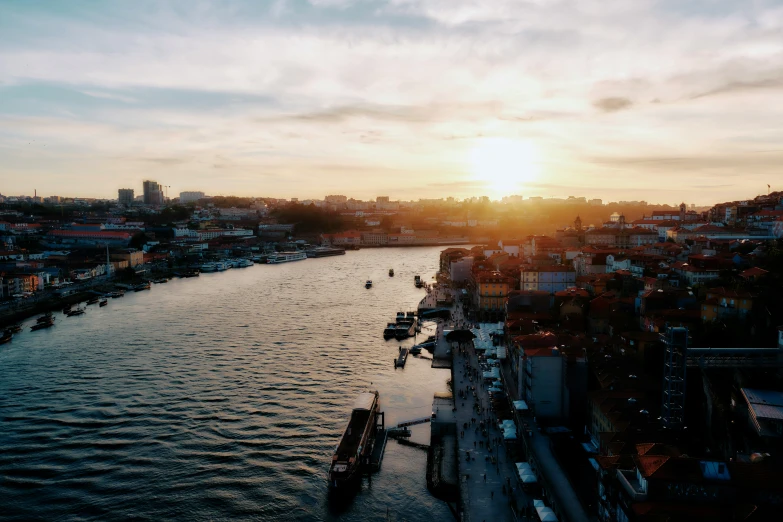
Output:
x=138 y=240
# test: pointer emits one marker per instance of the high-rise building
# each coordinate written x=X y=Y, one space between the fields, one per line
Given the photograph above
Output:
x=125 y=197
x=153 y=193
x=336 y=199
x=191 y=196
x=382 y=199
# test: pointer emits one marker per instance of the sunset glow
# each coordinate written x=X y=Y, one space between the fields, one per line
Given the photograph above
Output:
x=504 y=165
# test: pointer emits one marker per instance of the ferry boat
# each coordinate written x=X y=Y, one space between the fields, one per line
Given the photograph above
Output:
x=368 y=284
x=285 y=257
x=325 y=252
x=355 y=448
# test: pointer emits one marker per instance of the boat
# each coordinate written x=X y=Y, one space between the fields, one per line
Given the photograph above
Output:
x=142 y=286
x=66 y=308
x=391 y=272
x=400 y=316
x=390 y=330
x=368 y=284
x=208 y=267
x=416 y=278
x=103 y=302
x=93 y=300
x=46 y=318
x=6 y=337
x=404 y=330
x=41 y=326
x=355 y=447
x=244 y=263
x=222 y=266
x=116 y=294
x=160 y=281
x=325 y=252
x=285 y=257
x=15 y=328
x=74 y=313
x=415 y=350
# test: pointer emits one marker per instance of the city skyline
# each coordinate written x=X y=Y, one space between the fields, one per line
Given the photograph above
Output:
x=407 y=98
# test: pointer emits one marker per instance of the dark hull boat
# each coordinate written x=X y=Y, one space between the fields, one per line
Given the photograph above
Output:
x=355 y=448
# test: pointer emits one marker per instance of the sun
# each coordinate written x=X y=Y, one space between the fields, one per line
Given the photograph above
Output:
x=504 y=165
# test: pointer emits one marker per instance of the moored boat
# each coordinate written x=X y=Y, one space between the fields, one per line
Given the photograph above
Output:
x=41 y=326
x=325 y=252
x=390 y=331
x=6 y=337
x=74 y=313
x=103 y=302
x=285 y=257
x=354 y=450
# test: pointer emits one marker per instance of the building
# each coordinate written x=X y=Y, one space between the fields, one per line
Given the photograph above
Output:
x=131 y=256
x=125 y=197
x=336 y=200
x=547 y=278
x=765 y=411
x=722 y=302
x=190 y=197
x=153 y=193
x=95 y=237
x=492 y=290
x=541 y=377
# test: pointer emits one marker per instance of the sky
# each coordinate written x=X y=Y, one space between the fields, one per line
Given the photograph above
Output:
x=660 y=101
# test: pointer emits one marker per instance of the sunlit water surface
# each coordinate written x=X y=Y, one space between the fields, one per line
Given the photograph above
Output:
x=219 y=397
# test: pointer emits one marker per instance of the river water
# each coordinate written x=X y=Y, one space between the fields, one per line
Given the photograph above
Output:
x=218 y=397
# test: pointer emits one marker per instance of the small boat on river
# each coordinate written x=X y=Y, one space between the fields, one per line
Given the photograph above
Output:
x=103 y=302
x=391 y=272
x=368 y=284
x=41 y=326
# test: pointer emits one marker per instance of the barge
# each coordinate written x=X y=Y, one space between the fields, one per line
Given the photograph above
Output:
x=355 y=448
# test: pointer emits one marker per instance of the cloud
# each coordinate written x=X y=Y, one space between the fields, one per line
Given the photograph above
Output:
x=612 y=104
x=354 y=87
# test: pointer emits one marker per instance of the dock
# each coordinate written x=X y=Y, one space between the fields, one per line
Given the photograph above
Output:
x=399 y=362
x=379 y=446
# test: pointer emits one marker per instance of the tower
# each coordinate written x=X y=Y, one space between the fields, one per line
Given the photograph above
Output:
x=578 y=224
x=674 y=370
x=683 y=206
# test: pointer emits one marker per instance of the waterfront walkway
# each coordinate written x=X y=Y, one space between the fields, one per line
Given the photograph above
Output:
x=483 y=478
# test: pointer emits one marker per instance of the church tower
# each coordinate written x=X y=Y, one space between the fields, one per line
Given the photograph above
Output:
x=578 y=224
x=682 y=211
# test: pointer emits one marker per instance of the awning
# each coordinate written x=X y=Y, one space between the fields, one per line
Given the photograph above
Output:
x=495 y=389
x=546 y=514
x=527 y=478
x=520 y=405
x=537 y=503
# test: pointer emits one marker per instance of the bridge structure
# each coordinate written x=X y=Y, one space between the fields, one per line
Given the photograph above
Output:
x=678 y=357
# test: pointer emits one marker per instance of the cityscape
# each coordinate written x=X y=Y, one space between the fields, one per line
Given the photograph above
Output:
x=391 y=260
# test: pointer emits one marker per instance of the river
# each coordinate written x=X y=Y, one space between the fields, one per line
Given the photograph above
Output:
x=219 y=397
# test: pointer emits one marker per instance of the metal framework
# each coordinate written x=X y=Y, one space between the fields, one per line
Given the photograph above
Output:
x=674 y=369
x=678 y=357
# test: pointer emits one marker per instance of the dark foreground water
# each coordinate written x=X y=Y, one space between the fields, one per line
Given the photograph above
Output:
x=219 y=397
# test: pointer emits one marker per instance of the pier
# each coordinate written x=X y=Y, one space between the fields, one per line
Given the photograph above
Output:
x=399 y=362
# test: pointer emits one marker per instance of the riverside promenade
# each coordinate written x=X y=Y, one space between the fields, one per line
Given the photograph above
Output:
x=489 y=471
